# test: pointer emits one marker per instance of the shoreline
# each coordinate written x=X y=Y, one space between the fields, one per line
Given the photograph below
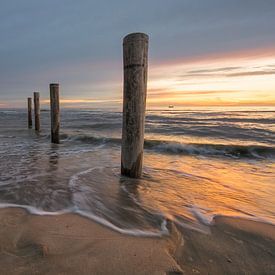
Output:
x=220 y=218
x=70 y=243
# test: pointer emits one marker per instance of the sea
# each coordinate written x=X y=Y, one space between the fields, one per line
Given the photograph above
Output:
x=198 y=163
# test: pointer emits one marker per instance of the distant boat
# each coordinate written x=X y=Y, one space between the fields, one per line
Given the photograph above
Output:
x=171 y=106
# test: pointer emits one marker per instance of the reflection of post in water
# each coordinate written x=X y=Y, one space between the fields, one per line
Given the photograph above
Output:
x=128 y=189
x=34 y=157
x=131 y=209
x=52 y=180
x=29 y=112
x=57 y=188
x=53 y=161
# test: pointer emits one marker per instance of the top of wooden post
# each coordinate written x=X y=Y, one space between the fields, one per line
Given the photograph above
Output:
x=54 y=84
x=135 y=37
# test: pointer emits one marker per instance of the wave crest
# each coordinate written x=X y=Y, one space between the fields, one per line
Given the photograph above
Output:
x=237 y=151
x=198 y=149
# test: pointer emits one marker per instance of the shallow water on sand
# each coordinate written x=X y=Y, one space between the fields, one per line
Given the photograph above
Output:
x=197 y=164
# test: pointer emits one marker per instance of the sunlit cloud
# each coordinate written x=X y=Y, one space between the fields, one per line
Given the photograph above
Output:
x=224 y=80
x=223 y=69
x=234 y=79
x=252 y=73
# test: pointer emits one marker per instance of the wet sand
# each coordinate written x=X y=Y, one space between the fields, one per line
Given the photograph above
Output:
x=235 y=246
x=70 y=244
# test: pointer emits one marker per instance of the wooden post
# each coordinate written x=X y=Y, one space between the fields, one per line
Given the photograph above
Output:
x=55 y=113
x=29 y=112
x=36 y=98
x=135 y=59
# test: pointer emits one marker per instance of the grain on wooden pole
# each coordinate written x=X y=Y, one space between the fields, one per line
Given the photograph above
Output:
x=55 y=113
x=135 y=59
x=29 y=112
x=36 y=99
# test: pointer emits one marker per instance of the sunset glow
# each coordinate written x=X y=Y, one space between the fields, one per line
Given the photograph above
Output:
x=236 y=79
x=229 y=80
x=207 y=54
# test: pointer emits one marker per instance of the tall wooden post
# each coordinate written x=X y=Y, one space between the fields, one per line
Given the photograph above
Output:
x=29 y=112
x=36 y=98
x=135 y=58
x=55 y=113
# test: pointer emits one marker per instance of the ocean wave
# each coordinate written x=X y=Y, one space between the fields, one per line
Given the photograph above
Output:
x=8 y=112
x=91 y=139
x=4 y=136
x=202 y=119
x=236 y=151
x=95 y=126
x=170 y=147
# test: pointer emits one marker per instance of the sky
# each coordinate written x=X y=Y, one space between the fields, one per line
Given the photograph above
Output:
x=201 y=52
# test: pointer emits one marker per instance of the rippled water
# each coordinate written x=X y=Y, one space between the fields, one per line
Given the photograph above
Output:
x=197 y=163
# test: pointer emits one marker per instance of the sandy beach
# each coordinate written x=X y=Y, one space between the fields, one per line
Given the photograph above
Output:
x=71 y=244
x=137 y=137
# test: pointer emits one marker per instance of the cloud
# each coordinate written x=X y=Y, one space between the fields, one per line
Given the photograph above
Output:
x=222 y=69
x=251 y=73
x=167 y=93
x=226 y=72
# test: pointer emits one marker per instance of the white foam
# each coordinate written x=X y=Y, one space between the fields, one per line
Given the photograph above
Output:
x=198 y=228
x=3 y=136
x=133 y=232
x=203 y=219
x=35 y=211
x=75 y=177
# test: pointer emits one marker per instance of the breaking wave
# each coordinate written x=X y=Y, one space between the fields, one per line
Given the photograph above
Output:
x=236 y=151
x=200 y=149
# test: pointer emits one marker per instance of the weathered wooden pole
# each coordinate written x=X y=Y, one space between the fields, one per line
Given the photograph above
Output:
x=135 y=59
x=29 y=112
x=55 y=113
x=36 y=99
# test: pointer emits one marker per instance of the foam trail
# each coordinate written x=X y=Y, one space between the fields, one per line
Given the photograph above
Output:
x=203 y=230
x=35 y=211
x=203 y=219
x=202 y=226
x=132 y=232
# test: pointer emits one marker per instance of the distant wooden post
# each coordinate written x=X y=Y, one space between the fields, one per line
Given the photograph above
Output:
x=36 y=98
x=29 y=112
x=135 y=57
x=55 y=113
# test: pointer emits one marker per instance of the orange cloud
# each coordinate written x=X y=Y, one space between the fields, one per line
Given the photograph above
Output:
x=232 y=79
